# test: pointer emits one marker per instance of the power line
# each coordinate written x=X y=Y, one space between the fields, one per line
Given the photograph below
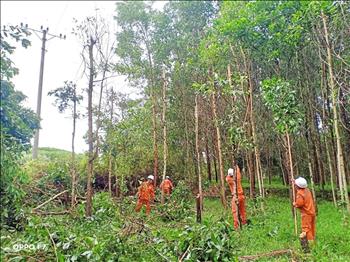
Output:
x=43 y=39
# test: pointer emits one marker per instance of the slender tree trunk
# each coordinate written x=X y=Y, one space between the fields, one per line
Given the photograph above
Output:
x=331 y=171
x=253 y=125
x=110 y=164
x=310 y=170
x=326 y=123
x=289 y=148
x=155 y=145
x=165 y=145
x=199 y=209
x=208 y=159
x=251 y=172
x=215 y=165
x=256 y=152
x=218 y=139
x=98 y=121
x=73 y=150
x=284 y=173
x=269 y=166
x=340 y=158
x=90 y=131
x=154 y=111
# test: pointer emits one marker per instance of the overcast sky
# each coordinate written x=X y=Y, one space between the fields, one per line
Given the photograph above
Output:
x=62 y=61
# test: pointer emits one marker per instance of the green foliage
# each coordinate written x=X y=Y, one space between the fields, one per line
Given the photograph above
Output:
x=50 y=173
x=179 y=200
x=113 y=236
x=283 y=102
x=17 y=123
x=17 y=128
x=126 y=139
x=66 y=96
x=12 y=180
x=9 y=33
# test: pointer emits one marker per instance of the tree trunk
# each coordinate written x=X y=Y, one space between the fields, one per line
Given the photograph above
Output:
x=215 y=164
x=90 y=132
x=283 y=169
x=251 y=172
x=292 y=177
x=73 y=150
x=165 y=146
x=110 y=164
x=218 y=139
x=98 y=121
x=155 y=145
x=198 y=159
x=331 y=171
x=208 y=159
x=253 y=125
x=340 y=159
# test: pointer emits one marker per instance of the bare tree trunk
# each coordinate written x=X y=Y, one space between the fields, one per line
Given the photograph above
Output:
x=208 y=159
x=155 y=145
x=98 y=121
x=165 y=146
x=73 y=150
x=251 y=175
x=218 y=139
x=110 y=164
x=340 y=159
x=331 y=171
x=215 y=164
x=292 y=177
x=199 y=209
x=90 y=131
x=256 y=152
x=253 y=125
x=284 y=173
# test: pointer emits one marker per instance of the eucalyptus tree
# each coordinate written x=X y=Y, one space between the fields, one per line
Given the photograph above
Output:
x=280 y=97
x=189 y=22
x=90 y=32
x=67 y=98
x=134 y=48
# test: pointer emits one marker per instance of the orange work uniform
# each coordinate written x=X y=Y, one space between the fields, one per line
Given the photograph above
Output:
x=145 y=196
x=241 y=199
x=305 y=202
x=166 y=186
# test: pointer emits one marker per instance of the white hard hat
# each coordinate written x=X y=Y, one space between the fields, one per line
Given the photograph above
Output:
x=167 y=177
x=301 y=182
x=230 y=172
x=150 y=177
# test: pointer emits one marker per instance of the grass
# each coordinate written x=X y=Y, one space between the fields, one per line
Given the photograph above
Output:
x=112 y=236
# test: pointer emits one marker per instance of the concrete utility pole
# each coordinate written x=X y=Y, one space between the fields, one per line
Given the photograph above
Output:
x=41 y=76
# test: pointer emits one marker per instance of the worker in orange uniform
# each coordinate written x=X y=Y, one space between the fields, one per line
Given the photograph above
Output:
x=145 y=195
x=305 y=203
x=233 y=179
x=166 y=186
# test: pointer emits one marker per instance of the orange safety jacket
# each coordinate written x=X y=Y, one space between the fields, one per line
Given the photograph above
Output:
x=146 y=191
x=166 y=185
x=305 y=202
x=232 y=183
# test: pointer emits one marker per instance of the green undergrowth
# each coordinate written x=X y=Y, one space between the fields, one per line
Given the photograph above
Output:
x=116 y=233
